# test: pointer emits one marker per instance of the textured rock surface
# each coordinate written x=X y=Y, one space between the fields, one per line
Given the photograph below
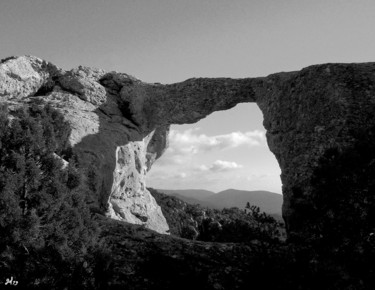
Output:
x=121 y=124
x=101 y=135
x=137 y=256
x=305 y=113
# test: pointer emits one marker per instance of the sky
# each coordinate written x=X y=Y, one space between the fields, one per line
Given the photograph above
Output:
x=169 y=41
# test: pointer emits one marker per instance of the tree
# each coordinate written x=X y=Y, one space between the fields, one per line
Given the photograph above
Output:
x=344 y=188
x=343 y=219
x=43 y=207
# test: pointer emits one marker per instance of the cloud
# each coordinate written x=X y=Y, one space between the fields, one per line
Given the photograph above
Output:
x=180 y=175
x=220 y=165
x=183 y=146
x=188 y=142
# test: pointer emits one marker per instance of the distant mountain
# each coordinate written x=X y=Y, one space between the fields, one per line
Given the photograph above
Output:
x=267 y=201
x=189 y=193
x=192 y=200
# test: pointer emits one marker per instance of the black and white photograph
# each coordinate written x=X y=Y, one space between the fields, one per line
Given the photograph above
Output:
x=187 y=144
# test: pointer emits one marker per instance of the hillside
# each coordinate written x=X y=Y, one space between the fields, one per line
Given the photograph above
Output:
x=198 y=194
x=192 y=201
x=232 y=225
x=268 y=202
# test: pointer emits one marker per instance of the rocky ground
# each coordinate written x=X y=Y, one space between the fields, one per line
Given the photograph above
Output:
x=143 y=259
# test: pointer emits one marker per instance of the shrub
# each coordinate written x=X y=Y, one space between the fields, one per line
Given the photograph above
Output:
x=228 y=225
x=46 y=229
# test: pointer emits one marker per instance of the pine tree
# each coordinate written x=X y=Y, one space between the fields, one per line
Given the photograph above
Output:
x=43 y=207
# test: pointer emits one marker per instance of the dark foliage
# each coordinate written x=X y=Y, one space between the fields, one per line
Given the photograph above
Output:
x=47 y=235
x=227 y=225
x=344 y=190
x=343 y=220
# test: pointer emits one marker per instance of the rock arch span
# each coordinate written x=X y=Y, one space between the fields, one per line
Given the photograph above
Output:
x=121 y=123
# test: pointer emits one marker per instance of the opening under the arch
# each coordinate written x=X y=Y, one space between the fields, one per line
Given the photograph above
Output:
x=225 y=150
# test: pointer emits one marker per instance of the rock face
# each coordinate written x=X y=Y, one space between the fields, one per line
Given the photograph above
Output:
x=101 y=135
x=121 y=124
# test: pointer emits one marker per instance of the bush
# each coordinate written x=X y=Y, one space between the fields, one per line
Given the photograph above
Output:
x=46 y=229
x=343 y=219
x=228 y=225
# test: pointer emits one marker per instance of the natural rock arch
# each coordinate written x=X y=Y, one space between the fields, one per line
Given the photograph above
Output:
x=257 y=171
x=122 y=123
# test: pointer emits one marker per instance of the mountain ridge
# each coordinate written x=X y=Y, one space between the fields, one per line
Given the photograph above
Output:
x=269 y=202
x=193 y=193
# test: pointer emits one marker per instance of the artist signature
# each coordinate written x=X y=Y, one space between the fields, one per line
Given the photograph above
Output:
x=11 y=281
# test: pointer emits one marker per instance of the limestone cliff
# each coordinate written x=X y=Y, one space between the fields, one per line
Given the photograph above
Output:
x=121 y=124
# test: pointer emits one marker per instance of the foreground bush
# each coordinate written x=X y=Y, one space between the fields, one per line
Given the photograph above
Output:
x=46 y=229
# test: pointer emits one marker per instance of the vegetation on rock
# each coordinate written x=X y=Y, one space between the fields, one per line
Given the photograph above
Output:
x=230 y=225
x=343 y=219
x=46 y=229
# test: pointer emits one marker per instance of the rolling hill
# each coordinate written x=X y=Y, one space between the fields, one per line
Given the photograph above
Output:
x=189 y=193
x=267 y=201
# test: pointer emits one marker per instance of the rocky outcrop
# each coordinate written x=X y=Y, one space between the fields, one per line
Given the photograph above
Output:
x=101 y=135
x=121 y=124
x=137 y=255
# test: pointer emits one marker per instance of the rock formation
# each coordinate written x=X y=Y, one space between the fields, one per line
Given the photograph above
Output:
x=121 y=124
x=101 y=135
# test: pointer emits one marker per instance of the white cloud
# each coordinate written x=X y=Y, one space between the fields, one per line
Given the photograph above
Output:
x=183 y=146
x=220 y=165
x=180 y=175
x=188 y=142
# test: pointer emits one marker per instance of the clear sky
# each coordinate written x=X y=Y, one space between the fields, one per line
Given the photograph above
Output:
x=172 y=40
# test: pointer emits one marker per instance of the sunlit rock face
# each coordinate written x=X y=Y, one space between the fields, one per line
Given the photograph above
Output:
x=101 y=135
x=121 y=124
